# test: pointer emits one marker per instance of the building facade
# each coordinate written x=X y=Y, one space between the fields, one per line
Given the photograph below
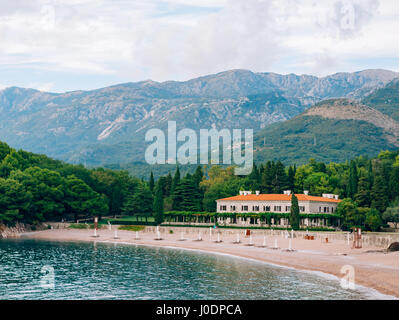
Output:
x=278 y=203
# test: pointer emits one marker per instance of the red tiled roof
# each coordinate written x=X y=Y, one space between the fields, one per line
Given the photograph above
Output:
x=278 y=197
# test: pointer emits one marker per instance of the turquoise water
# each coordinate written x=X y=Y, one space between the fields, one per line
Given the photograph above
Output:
x=118 y=271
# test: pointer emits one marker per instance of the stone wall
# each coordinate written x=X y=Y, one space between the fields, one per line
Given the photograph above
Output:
x=17 y=230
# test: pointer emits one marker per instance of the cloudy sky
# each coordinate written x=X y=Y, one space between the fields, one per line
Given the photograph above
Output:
x=62 y=45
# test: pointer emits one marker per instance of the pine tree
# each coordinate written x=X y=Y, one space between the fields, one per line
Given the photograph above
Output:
x=186 y=197
x=362 y=196
x=294 y=213
x=176 y=180
x=139 y=203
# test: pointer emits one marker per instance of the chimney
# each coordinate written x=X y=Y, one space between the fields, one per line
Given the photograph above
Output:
x=241 y=193
x=306 y=192
x=257 y=192
x=336 y=196
x=287 y=192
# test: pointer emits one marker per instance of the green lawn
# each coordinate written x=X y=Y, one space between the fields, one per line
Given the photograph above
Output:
x=127 y=220
x=131 y=228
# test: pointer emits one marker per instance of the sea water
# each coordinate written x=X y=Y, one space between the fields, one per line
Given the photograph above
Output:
x=37 y=269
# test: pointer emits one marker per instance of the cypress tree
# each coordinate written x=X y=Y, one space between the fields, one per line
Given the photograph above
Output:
x=267 y=178
x=291 y=178
x=370 y=175
x=353 y=180
x=198 y=175
x=151 y=183
x=197 y=179
x=379 y=194
x=158 y=204
x=254 y=178
x=394 y=183
x=168 y=185
x=280 y=179
x=261 y=170
x=294 y=213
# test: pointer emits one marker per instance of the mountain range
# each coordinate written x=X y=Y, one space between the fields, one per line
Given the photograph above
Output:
x=107 y=126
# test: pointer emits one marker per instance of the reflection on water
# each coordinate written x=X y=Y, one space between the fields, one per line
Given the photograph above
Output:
x=110 y=271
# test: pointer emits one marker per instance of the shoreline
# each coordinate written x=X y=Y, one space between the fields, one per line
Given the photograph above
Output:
x=375 y=273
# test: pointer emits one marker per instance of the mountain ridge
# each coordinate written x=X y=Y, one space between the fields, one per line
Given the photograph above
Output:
x=346 y=109
x=335 y=129
x=382 y=74
x=107 y=125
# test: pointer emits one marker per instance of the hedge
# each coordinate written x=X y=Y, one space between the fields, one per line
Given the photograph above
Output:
x=249 y=227
x=258 y=215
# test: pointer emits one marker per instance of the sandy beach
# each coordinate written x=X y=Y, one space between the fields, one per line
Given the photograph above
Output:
x=373 y=268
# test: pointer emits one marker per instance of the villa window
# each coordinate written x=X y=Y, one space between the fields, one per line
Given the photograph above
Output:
x=244 y=208
x=287 y=208
x=326 y=209
x=233 y=208
x=302 y=208
x=266 y=208
x=223 y=208
x=255 y=208
x=277 y=208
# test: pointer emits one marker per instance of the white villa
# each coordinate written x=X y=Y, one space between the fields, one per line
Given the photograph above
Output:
x=279 y=203
x=244 y=210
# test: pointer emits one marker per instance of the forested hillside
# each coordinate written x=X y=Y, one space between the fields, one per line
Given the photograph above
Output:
x=35 y=188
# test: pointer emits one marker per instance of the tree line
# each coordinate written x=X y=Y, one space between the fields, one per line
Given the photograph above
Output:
x=369 y=188
x=36 y=188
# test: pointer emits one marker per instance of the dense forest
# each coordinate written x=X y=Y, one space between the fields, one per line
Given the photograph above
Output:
x=35 y=188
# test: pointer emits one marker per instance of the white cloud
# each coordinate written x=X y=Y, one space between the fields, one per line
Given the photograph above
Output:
x=180 y=39
x=45 y=87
